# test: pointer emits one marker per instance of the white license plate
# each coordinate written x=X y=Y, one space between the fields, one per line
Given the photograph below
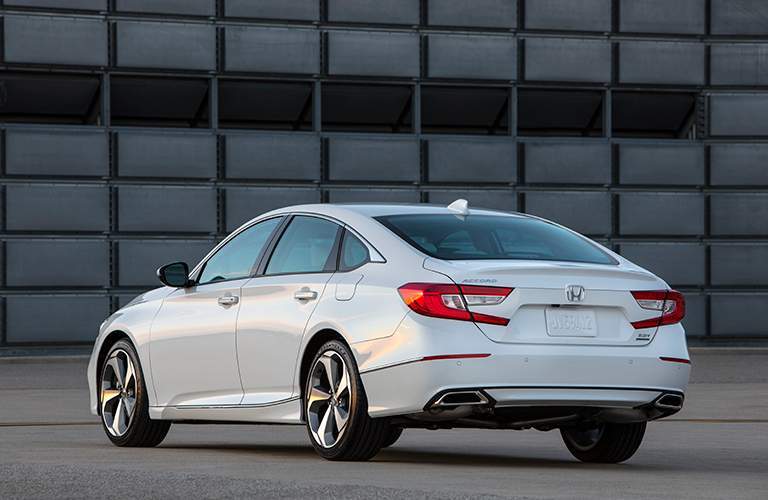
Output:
x=570 y=322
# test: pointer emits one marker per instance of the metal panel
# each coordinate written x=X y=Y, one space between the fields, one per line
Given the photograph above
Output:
x=472 y=56
x=739 y=214
x=166 y=45
x=739 y=164
x=662 y=16
x=166 y=209
x=661 y=213
x=57 y=4
x=739 y=64
x=55 y=40
x=480 y=160
x=584 y=15
x=373 y=54
x=243 y=204
x=585 y=212
x=568 y=162
x=735 y=315
x=739 y=17
x=56 y=153
x=676 y=263
x=138 y=260
x=661 y=164
x=695 y=320
x=299 y=10
x=496 y=200
x=374 y=11
x=67 y=318
x=252 y=156
x=145 y=154
x=373 y=195
x=567 y=59
x=486 y=13
x=662 y=62
x=738 y=114
x=49 y=263
x=274 y=50
x=187 y=7
x=51 y=207
x=739 y=264
x=354 y=159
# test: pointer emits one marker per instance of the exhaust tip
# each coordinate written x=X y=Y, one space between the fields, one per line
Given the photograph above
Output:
x=669 y=402
x=461 y=398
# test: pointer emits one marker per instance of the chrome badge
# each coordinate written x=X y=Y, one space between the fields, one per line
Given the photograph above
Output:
x=574 y=293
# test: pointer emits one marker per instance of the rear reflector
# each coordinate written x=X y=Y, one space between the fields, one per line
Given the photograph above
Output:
x=670 y=305
x=453 y=301
x=676 y=360
x=455 y=356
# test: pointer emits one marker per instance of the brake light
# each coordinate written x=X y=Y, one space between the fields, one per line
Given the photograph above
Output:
x=453 y=301
x=669 y=303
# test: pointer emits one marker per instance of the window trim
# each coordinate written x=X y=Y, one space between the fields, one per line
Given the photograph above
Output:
x=198 y=270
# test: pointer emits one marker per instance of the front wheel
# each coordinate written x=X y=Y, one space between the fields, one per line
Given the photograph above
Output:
x=337 y=409
x=123 y=400
x=604 y=443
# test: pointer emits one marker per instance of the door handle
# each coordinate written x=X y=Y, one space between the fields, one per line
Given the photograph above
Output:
x=305 y=294
x=228 y=300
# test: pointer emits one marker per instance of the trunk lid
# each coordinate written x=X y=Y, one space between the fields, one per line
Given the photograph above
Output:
x=559 y=302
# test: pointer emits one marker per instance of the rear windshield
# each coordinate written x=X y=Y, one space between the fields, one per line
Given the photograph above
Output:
x=476 y=237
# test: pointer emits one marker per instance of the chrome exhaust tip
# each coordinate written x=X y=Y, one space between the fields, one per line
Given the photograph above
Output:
x=461 y=398
x=669 y=402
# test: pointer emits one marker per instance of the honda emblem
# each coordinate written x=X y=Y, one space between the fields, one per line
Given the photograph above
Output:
x=574 y=293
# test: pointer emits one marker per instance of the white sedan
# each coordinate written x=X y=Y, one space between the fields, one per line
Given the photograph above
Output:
x=362 y=320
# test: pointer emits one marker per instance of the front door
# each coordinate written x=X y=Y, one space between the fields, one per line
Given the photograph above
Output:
x=193 y=351
x=276 y=307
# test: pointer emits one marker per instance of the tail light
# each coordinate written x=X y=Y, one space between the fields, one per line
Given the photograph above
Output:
x=454 y=301
x=669 y=303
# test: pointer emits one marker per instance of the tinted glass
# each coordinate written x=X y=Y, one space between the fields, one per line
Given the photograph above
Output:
x=475 y=237
x=353 y=253
x=307 y=246
x=237 y=258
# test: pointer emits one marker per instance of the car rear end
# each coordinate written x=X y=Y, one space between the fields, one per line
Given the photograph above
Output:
x=526 y=324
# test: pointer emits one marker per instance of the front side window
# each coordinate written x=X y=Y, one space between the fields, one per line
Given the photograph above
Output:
x=476 y=237
x=353 y=253
x=307 y=246
x=236 y=259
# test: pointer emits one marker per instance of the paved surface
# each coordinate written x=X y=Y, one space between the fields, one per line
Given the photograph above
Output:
x=50 y=446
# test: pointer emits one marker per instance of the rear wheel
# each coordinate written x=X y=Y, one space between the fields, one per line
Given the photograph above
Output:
x=604 y=443
x=123 y=400
x=393 y=434
x=337 y=409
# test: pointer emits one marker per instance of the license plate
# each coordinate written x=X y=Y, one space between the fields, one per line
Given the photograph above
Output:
x=570 y=322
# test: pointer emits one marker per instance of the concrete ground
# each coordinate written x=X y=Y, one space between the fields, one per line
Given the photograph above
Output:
x=50 y=446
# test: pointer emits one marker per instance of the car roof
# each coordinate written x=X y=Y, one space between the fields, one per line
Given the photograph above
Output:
x=383 y=209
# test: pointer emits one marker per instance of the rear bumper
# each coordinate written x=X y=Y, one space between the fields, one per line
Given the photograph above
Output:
x=529 y=375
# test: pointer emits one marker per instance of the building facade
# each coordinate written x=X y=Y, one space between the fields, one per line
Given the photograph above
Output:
x=138 y=132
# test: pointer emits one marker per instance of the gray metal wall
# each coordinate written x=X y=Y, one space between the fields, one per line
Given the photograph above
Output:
x=135 y=132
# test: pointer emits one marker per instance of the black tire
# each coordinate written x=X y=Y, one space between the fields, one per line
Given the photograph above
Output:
x=393 y=434
x=141 y=430
x=363 y=436
x=604 y=443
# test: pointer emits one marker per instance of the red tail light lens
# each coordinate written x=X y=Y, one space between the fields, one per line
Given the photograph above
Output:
x=453 y=301
x=669 y=303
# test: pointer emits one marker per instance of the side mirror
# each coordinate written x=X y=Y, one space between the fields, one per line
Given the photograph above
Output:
x=175 y=274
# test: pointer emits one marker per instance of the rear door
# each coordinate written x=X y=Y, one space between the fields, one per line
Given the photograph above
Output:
x=277 y=303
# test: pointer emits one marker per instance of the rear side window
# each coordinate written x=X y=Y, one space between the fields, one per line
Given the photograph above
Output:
x=308 y=245
x=475 y=237
x=353 y=253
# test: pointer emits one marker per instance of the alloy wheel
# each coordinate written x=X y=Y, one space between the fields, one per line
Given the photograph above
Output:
x=328 y=399
x=118 y=393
